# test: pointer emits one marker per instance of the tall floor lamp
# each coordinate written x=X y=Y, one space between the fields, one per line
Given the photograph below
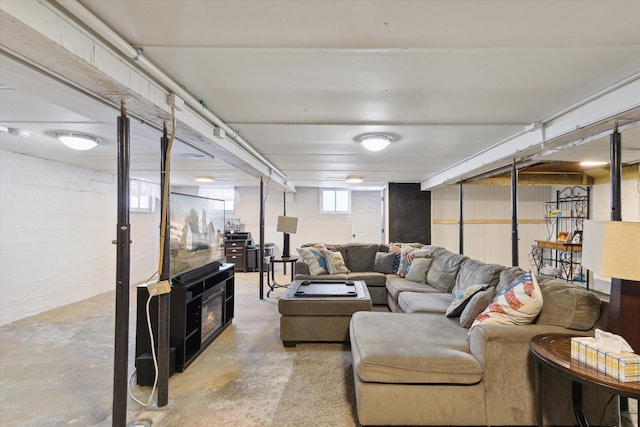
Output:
x=287 y=225
x=612 y=249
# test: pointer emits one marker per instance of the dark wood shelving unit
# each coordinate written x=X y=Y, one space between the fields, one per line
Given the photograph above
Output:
x=201 y=307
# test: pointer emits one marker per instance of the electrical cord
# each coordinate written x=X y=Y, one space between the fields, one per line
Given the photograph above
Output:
x=155 y=361
x=605 y=408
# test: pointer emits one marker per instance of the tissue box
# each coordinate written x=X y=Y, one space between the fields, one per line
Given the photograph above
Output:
x=623 y=366
x=559 y=213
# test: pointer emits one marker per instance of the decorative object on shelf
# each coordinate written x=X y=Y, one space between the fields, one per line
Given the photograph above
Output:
x=611 y=249
x=577 y=237
x=232 y=224
x=561 y=251
x=287 y=225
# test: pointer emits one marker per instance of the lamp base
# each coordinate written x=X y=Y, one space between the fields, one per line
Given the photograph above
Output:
x=285 y=246
x=624 y=311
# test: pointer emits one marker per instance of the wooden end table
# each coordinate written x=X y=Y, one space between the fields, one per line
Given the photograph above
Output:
x=554 y=352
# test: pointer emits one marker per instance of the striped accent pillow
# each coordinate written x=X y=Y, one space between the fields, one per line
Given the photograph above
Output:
x=518 y=304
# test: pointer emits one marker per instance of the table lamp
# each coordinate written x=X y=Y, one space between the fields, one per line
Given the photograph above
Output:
x=612 y=249
x=287 y=225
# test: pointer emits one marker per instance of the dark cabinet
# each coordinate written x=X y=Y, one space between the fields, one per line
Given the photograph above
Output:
x=201 y=307
x=236 y=253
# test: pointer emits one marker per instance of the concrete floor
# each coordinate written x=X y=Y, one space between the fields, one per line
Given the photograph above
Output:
x=56 y=368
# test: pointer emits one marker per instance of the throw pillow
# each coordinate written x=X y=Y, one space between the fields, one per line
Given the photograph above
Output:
x=396 y=249
x=462 y=299
x=313 y=256
x=418 y=270
x=384 y=262
x=405 y=260
x=335 y=262
x=477 y=304
x=518 y=304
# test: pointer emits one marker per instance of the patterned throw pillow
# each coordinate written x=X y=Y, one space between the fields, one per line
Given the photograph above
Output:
x=476 y=305
x=461 y=300
x=335 y=262
x=395 y=248
x=518 y=304
x=313 y=256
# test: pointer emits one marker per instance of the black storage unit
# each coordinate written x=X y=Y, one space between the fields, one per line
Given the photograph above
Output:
x=201 y=307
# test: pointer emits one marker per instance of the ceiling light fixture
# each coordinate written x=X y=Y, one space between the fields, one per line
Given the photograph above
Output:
x=78 y=141
x=354 y=179
x=375 y=142
x=593 y=163
x=204 y=179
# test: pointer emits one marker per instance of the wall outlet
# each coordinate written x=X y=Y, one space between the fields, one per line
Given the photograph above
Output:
x=159 y=288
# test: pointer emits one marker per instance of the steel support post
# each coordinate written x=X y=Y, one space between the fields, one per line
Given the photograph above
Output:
x=514 y=215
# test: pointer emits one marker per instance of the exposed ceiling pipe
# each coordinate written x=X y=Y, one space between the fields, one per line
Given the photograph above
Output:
x=91 y=21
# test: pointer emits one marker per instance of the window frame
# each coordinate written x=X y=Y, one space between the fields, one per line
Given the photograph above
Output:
x=335 y=190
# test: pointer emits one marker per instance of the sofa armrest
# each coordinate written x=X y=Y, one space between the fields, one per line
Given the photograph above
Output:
x=508 y=375
x=301 y=268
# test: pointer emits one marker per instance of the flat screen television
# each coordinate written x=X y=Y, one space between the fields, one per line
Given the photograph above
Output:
x=197 y=231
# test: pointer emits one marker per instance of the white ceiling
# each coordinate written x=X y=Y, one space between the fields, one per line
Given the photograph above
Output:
x=301 y=80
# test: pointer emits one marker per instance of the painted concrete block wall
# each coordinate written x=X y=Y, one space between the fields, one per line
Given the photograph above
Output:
x=305 y=204
x=57 y=223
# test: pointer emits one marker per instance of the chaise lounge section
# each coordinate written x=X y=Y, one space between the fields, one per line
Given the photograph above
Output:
x=416 y=366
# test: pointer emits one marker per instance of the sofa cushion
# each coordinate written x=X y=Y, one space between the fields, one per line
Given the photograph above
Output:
x=518 y=304
x=396 y=348
x=473 y=272
x=360 y=256
x=462 y=299
x=396 y=284
x=444 y=269
x=384 y=262
x=418 y=270
x=478 y=303
x=568 y=306
x=372 y=279
x=335 y=262
x=421 y=302
x=313 y=256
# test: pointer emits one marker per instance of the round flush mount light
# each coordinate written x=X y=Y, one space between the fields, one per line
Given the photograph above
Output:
x=354 y=179
x=590 y=163
x=204 y=179
x=376 y=142
x=78 y=141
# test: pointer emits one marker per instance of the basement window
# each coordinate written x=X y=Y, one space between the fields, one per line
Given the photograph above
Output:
x=335 y=201
x=143 y=195
x=228 y=194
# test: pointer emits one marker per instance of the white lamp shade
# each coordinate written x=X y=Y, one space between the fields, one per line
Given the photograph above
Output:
x=612 y=248
x=287 y=224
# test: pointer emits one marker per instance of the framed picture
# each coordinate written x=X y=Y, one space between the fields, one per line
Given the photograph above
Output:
x=563 y=236
x=232 y=224
x=577 y=237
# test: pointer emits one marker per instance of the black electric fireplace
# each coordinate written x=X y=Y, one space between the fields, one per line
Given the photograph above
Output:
x=212 y=312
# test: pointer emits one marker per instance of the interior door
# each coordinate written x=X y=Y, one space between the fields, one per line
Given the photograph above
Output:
x=366 y=216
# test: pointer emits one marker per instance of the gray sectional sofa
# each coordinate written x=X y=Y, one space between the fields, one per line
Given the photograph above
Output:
x=415 y=366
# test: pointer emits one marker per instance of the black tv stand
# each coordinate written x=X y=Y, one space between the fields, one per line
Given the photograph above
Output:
x=201 y=307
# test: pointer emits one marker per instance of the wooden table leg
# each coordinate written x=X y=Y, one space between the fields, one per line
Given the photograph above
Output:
x=578 y=409
x=539 y=395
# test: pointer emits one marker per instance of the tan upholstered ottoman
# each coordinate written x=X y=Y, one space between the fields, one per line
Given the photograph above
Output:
x=315 y=310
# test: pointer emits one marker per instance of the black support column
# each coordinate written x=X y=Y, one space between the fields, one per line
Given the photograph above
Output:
x=514 y=215
x=123 y=267
x=164 y=301
x=461 y=222
x=261 y=260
